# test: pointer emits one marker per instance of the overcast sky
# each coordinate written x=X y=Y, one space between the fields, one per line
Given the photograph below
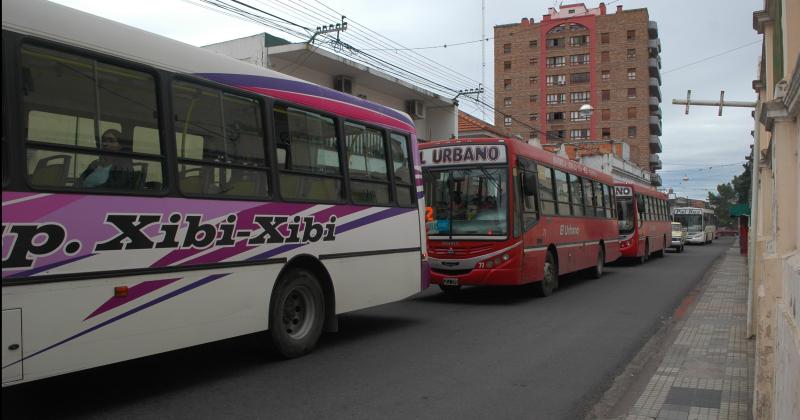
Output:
x=695 y=145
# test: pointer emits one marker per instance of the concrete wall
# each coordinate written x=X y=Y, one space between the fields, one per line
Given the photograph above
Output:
x=775 y=292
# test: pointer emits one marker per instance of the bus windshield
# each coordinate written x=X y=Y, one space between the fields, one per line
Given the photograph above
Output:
x=467 y=202
x=694 y=222
x=625 y=215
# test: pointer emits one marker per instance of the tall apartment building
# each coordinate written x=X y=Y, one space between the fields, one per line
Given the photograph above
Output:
x=545 y=71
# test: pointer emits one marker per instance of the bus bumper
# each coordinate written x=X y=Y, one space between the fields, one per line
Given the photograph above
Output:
x=478 y=277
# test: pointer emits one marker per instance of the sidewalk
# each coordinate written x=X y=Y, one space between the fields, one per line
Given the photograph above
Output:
x=707 y=371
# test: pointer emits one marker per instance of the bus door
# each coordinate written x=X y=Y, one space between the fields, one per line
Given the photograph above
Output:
x=527 y=216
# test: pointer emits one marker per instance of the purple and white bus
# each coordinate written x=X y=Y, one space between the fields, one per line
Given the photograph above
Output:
x=158 y=196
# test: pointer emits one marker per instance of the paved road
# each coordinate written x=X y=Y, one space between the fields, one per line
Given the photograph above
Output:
x=487 y=353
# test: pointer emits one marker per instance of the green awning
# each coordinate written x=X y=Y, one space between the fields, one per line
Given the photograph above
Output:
x=740 y=210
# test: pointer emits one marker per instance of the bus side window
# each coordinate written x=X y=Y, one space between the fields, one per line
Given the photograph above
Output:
x=576 y=194
x=81 y=119
x=598 y=199
x=562 y=193
x=366 y=154
x=608 y=203
x=402 y=169
x=220 y=142
x=546 y=192
x=588 y=197
x=309 y=168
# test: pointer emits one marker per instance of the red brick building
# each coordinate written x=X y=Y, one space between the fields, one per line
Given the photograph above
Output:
x=545 y=71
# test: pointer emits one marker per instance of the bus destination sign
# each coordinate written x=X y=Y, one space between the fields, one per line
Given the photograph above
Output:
x=621 y=191
x=467 y=154
x=688 y=211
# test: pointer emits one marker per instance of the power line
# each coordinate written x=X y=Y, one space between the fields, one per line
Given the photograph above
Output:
x=711 y=57
x=430 y=47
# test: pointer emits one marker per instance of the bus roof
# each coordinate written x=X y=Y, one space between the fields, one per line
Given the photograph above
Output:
x=518 y=147
x=63 y=24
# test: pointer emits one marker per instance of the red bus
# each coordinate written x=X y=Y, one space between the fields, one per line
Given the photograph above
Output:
x=644 y=222
x=502 y=212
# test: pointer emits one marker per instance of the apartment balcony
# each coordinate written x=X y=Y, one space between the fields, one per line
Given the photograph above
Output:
x=655 y=125
x=655 y=66
x=655 y=180
x=655 y=144
x=655 y=162
x=655 y=103
x=654 y=46
x=652 y=29
x=655 y=90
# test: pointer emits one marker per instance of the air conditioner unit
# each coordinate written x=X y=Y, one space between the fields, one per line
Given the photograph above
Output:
x=416 y=109
x=343 y=84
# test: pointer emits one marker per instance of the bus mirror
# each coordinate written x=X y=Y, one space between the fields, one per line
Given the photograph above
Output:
x=529 y=183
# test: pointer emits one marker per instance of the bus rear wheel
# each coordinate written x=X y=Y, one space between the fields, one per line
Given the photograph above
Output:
x=297 y=313
x=660 y=252
x=549 y=283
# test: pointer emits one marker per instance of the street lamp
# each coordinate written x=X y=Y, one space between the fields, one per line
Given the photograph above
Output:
x=586 y=110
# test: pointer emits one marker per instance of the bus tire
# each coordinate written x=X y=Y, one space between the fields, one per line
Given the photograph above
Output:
x=297 y=313
x=549 y=283
x=646 y=255
x=597 y=272
x=450 y=289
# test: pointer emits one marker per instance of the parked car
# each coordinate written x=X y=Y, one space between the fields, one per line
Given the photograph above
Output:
x=678 y=236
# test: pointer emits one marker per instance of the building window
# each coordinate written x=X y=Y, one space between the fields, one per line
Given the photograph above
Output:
x=579 y=97
x=605 y=95
x=632 y=74
x=534 y=116
x=507 y=101
x=533 y=135
x=533 y=44
x=533 y=61
x=555 y=62
x=579 y=78
x=631 y=54
x=605 y=114
x=578 y=41
x=578 y=116
x=631 y=35
x=533 y=80
x=631 y=132
x=534 y=98
x=556 y=80
x=606 y=133
x=556 y=98
x=506 y=65
x=631 y=93
x=507 y=121
x=579 y=59
x=506 y=48
x=579 y=134
x=605 y=75
x=555 y=43
x=604 y=38
x=507 y=83
x=555 y=134
x=556 y=116
x=605 y=57
x=632 y=113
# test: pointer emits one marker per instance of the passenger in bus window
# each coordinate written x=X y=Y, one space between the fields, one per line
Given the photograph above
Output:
x=108 y=171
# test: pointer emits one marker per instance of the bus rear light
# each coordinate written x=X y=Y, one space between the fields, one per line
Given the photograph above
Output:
x=121 y=291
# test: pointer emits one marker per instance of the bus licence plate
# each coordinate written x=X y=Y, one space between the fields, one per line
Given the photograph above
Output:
x=450 y=281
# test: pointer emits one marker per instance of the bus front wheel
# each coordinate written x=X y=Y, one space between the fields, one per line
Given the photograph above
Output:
x=297 y=313
x=549 y=283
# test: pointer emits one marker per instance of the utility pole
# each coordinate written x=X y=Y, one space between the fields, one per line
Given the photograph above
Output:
x=483 y=55
x=465 y=92
x=721 y=103
x=326 y=29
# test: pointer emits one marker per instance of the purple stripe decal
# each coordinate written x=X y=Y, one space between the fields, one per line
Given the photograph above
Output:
x=134 y=292
x=142 y=307
x=302 y=87
x=49 y=266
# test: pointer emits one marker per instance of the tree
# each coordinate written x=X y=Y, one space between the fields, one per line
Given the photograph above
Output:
x=722 y=201
x=741 y=183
